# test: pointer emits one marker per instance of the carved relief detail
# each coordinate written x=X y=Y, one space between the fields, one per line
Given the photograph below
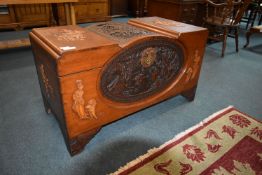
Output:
x=192 y=71
x=69 y=35
x=142 y=70
x=48 y=88
x=84 y=111
x=189 y=74
x=196 y=63
x=118 y=31
x=148 y=56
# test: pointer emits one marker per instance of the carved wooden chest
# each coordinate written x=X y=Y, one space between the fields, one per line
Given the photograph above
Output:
x=92 y=76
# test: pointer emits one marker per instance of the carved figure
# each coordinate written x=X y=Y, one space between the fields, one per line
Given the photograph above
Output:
x=189 y=73
x=196 y=63
x=148 y=56
x=79 y=102
x=192 y=71
x=79 y=107
x=91 y=108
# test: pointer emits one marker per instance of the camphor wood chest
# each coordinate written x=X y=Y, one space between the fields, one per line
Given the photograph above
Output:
x=92 y=76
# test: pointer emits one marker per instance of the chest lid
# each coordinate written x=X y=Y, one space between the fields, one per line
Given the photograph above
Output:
x=70 y=38
x=164 y=26
x=121 y=33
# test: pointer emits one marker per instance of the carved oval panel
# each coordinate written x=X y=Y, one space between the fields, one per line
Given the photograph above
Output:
x=142 y=70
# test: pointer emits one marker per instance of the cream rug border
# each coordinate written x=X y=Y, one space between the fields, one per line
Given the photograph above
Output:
x=178 y=136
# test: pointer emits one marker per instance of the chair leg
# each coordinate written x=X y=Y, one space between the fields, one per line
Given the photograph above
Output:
x=260 y=19
x=224 y=41
x=236 y=38
x=247 y=38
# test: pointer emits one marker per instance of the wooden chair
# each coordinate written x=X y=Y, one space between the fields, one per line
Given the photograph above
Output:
x=253 y=11
x=222 y=18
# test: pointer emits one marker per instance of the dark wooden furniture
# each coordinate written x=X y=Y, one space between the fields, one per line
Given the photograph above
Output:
x=253 y=11
x=32 y=13
x=252 y=30
x=223 y=17
x=186 y=11
x=137 y=8
x=21 y=16
x=118 y=8
x=92 y=76
x=28 y=13
x=87 y=11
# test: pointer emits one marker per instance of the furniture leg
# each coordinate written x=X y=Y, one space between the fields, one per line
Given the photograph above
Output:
x=236 y=38
x=50 y=15
x=260 y=19
x=67 y=13
x=72 y=14
x=77 y=144
x=46 y=105
x=224 y=41
x=247 y=38
x=190 y=94
x=55 y=13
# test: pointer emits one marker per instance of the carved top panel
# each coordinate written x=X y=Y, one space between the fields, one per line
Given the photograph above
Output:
x=70 y=38
x=70 y=35
x=142 y=70
x=120 y=32
x=166 y=25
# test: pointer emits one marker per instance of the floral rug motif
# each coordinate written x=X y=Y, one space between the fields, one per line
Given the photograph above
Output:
x=227 y=143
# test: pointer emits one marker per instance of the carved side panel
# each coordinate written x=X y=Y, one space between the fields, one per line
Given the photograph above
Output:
x=49 y=91
x=80 y=107
x=142 y=70
x=192 y=70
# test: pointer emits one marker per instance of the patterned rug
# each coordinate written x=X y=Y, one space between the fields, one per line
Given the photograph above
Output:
x=227 y=143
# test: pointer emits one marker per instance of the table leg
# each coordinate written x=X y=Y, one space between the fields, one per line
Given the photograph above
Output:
x=67 y=13
x=55 y=13
x=72 y=14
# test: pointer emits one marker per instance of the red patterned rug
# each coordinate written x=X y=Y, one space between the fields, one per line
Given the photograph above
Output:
x=227 y=143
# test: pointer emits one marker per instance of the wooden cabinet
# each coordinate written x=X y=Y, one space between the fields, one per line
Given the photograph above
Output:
x=137 y=8
x=20 y=16
x=87 y=11
x=118 y=8
x=187 y=11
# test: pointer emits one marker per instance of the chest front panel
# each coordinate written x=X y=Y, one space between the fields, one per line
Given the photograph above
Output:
x=142 y=70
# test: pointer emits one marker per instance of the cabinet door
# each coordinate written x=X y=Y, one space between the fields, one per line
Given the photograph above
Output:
x=118 y=7
x=87 y=11
x=188 y=13
x=6 y=17
x=32 y=14
x=20 y=16
x=137 y=8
